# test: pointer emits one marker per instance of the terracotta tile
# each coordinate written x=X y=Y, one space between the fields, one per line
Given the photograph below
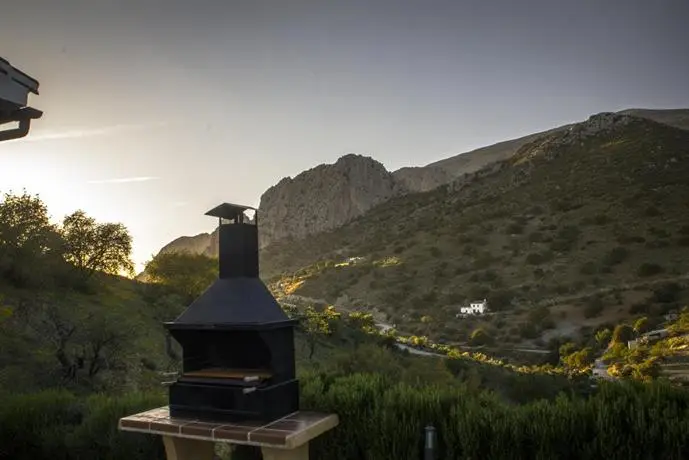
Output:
x=289 y=425
x=231 y=433
x=248 y=425
x=137 y=423
x=199 y=429
x=164 y=426
x=268 y=436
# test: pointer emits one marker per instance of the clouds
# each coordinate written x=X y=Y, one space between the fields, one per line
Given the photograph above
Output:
x=124 y=180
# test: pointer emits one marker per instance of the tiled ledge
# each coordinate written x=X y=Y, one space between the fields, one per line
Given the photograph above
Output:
x=285 y=433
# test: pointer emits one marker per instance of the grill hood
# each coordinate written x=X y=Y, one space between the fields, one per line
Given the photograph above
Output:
x=238 y=299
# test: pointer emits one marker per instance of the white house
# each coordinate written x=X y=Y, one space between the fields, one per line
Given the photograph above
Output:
x=475 y=308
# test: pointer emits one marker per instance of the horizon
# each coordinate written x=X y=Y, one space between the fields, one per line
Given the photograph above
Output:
x=152 y=116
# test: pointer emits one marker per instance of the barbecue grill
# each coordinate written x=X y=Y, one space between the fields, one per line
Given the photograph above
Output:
x=237 y=342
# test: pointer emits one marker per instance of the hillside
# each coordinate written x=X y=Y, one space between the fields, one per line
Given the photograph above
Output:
x=584 y=224
x=469 y=162
x=330 y=195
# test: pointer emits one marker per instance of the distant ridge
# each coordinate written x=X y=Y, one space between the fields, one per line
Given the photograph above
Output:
x=328 y=196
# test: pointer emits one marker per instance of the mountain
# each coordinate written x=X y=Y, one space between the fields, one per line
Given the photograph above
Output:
x=580 y=227
x=327 y=196
x=316 y=200
x=203 y=243
x=469 y=162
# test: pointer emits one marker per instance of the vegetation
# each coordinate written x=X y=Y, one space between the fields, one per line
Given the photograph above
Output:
x=384 y=419
x=80 y=348
x=491 y=233
x=188 y=275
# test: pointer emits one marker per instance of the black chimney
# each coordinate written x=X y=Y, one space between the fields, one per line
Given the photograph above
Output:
x=237 y=342
x=238 y=240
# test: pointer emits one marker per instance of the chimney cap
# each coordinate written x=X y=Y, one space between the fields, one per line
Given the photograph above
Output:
x=228 y=210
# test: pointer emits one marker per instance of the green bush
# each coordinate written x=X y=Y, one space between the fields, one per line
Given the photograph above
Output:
x=57 y=425
x=537 y=258
x=515 y=228
x=667 y=293
x=382 y=419
x=649 y=269
x=480 y=337
x=601 y=219
x=616 y=256
x=588 y=268
x=593 y=307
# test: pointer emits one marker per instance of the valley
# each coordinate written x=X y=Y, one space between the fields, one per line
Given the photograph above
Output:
x=570 y=231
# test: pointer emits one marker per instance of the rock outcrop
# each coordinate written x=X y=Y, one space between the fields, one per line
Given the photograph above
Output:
x=199 y=244
x=324 y=198
x=422 y=179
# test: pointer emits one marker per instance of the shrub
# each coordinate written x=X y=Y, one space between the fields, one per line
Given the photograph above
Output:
x=536 y=237
x=594 y=307
x=649 y=269
x=528 y=330
x=514 y=228
x=652 y=211
x=480 y=337
x=56 y=425
x=601 y=219
x=667 y=293
x=500 y=300
x=588 y=268
x=622 y=333
x=616 y=256
x=383 y=419
x=536 y=258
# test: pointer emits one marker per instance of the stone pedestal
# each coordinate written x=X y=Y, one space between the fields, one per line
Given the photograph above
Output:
x=286 y=438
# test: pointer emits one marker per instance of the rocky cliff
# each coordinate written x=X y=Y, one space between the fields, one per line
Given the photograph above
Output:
x=325 y=197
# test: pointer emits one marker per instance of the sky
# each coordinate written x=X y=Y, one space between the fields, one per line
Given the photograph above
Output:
x=157 y=110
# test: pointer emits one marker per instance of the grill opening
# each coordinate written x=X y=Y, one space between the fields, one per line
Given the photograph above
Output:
x=235 y=374
x=216 y=350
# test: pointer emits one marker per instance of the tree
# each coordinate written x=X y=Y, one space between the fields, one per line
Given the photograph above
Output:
x=362 y=321
x=84 y=338
x=184 y=273
x=316 y=324
x=641 y=325
x=30 y=247
x=480 y=337
x=603 y=337
x=567 y=349
x=427 y=320
x=93 y=247
x=579 y=359
x=622 y=333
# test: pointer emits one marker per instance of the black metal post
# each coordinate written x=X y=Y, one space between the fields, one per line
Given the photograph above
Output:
x=429 y=449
